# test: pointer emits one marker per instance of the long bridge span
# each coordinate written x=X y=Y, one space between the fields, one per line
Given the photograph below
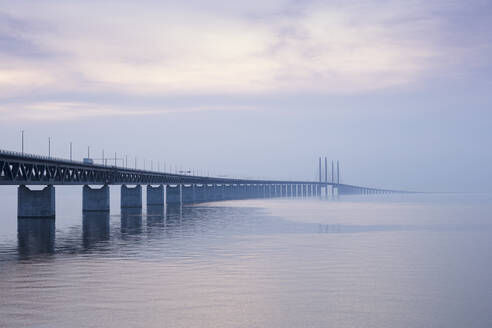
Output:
x=162 y=188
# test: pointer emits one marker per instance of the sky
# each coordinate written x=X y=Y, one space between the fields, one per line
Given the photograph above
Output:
x=398 y=91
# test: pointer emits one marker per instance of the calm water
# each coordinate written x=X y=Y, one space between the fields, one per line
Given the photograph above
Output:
x=399 y=261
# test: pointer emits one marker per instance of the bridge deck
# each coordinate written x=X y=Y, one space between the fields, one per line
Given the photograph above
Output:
x=18 y=169
x=26 y=169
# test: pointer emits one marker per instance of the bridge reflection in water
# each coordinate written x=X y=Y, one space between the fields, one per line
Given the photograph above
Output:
x=35 y=236
x=95 y=228
x=131 y=221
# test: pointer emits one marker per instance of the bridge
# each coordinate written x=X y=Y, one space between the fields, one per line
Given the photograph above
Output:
x=22 y=169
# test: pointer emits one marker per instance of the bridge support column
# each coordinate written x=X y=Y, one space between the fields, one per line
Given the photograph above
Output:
x=95 y=199
x=227 y=192
x=222 y=192
x=173 y=194
x=209 y=192
x=36 y=203
x=200 y=195
x=188 y=194
x=131 y=197
x=242 y=191
x=239 y=191
x=155 y=195
x=278 y=191
x=283 y=189
x=250 y=191
x=215 y=192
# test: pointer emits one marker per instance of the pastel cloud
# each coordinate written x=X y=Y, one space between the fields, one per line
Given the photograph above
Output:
x=66 y=110
x=161 y=48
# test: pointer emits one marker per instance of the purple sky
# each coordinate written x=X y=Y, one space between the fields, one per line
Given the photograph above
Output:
x=398 y=91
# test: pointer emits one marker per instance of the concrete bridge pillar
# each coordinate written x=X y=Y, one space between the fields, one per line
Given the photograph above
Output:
x=263 y=191
x=220 y=192
x=289 y=190
x=131 y=197
x=200 y=193
x=254 y=191
x=284 y=190
x=278 y=191
x=234 y=191
x=242 y=191
x=209 y=192
x=36 y=203
x=304 y=190
x=228 y=193
x=155 y=195
x=95 y=199
x=173 y=194
x=188 y=194
x=251 y=192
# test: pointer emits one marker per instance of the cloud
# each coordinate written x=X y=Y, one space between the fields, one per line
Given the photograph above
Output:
x=164 y=48
x=159 y=49
x=63 y=111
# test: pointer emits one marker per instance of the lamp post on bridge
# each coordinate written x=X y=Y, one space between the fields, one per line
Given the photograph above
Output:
x=49 y=147
x=22 y=133
x=70 y=151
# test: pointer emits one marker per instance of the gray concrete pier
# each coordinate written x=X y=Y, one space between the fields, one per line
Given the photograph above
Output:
x=155 y=195
x=173 y=194
x=200 y=194
x=131 y=197
x=188 y=194
x=95 y=199
x=36 y=203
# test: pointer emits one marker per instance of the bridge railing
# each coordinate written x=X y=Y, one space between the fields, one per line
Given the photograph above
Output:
x=34 y=156
x=97 y=165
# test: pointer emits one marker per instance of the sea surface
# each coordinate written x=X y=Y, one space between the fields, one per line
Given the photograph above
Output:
x=356 y=261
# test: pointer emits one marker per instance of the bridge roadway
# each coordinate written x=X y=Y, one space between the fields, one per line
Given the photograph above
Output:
x=26 y=169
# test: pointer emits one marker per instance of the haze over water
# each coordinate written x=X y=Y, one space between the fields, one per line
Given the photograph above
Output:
x=371 y=261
